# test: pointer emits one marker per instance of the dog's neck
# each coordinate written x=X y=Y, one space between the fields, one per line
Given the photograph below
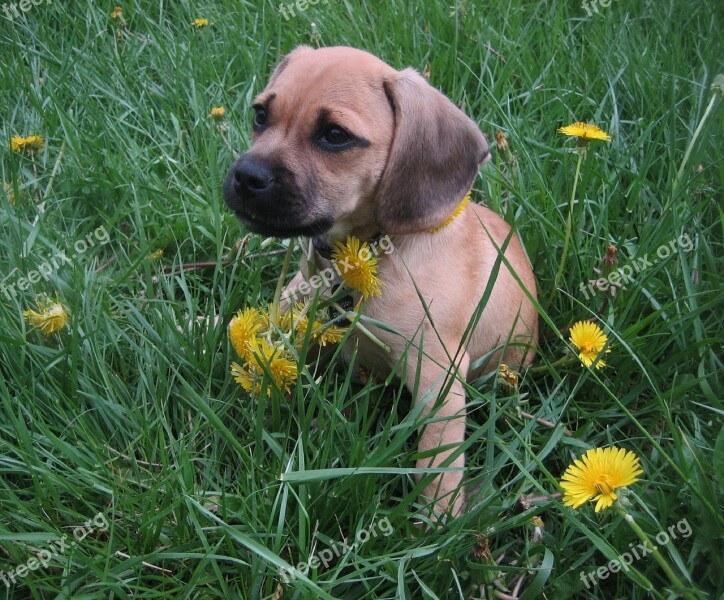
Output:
x=323 y=243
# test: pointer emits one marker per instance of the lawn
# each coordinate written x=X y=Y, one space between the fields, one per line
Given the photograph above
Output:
x=134 y=465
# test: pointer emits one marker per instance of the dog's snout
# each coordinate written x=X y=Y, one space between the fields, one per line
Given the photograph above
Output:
x=252 y=177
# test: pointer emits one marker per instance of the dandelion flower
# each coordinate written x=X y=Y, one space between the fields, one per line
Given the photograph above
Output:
x=296 y=320
x=508 y=376
x=34 y=142
x=590 y=340
x=156 y=254
x=327 y=334
x=218 y=112
x=585 y=132
x=117 y=12
x=266 y=356
x=51 y=318
x=243 y=328
x=200 y=22
x=597 y=475
x=356 y=266
x=501 y=141
x=19 y=143
x=295 y=323
x=246 y=379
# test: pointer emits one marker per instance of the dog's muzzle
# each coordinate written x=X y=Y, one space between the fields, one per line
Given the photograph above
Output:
x=267 y=199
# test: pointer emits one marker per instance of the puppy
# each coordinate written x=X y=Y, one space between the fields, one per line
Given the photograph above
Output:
x=343 y=144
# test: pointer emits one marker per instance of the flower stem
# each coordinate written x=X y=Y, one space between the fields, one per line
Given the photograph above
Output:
x=350 y=316
x=656 y=554
x=569 y=223
x=689 y=149
x=274 y=312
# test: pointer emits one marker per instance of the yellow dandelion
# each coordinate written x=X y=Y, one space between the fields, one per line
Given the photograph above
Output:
x=356 y=266
x=243 y=328
x=585 y=132
x=266 y=356
x=51 y=318
x=218 y=112
x=156 y=254
x=117 y=12
x=251 y=382
x=590 y=341
x=597 y=475
x=501 y=141
x=200 y=22
x=508 y=376
x=327 y=334
x=32 y=142
x=295 y=321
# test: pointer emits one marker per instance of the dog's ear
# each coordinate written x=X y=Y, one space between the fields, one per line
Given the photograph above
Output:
x=435 y=154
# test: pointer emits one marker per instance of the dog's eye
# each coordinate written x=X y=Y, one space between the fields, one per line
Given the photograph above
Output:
x=334 y=135
x=260 y=116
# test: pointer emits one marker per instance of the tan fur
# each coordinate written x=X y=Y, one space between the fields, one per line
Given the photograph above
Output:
x=422 y=156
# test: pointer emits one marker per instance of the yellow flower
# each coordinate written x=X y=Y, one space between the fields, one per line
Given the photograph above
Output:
x=156 y=254
x=9 y=192
x=218 y=112
x=590 y=340
x=297 y=319
x=51 y=318
x=200 y=22
x=265 y=356
x=246 y=379
x=117 y=12
x=32 y=142
x=508 y=376
x=501 y=141
x=243 y=328
x=597 y=474
x=585 y=132
x=356 y=266
x=327 y=334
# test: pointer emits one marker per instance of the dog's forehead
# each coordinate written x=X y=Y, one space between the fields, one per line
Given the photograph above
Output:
x=335 y=77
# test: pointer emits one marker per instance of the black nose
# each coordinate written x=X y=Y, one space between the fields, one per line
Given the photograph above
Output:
x=252 y=177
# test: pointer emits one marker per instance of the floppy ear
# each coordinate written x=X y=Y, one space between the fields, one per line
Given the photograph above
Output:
x=435 y=154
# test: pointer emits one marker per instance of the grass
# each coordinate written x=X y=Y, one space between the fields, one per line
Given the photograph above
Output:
x=198 y=491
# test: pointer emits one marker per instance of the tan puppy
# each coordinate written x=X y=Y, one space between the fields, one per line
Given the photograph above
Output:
x=345 y=144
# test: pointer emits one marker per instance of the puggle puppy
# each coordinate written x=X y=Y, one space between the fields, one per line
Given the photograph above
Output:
x=344 y=144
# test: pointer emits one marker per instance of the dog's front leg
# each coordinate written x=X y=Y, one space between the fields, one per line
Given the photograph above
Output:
x=444 y=432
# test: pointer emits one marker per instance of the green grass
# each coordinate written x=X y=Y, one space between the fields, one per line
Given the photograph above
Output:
x=208 y=493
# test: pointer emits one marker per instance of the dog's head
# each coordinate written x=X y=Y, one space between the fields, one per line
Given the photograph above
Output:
x=343 y=143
